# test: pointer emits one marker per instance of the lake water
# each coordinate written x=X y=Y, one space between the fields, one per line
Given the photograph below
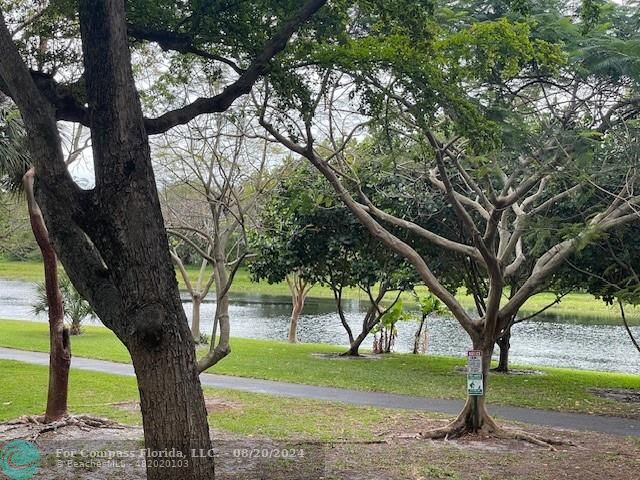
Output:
x=549 y=343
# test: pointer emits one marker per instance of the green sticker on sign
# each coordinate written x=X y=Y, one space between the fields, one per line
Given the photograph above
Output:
x=474 y=384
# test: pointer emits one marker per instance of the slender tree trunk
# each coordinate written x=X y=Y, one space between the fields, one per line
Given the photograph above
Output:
x=505 y=345
x=337 y=294
x=418 y=335
x=370 y=320
x=295 y=316
x=354 y=349
x=298 y=288
x=222 y=348
x=387 y=340
x=59 y=344
x=196 y=301
x=474 y=416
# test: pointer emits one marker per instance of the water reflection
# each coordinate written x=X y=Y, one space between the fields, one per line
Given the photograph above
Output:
x=594 y=347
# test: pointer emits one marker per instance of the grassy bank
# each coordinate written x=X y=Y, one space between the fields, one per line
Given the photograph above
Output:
x=429 y=376
x=576 y=307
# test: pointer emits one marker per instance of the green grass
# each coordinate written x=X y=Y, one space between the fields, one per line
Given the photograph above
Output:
x=575 y=307
x=281 y=417
x=95 y=342
x=24 y=392
x=241 y=412
x=25 y=271
x=429 y=376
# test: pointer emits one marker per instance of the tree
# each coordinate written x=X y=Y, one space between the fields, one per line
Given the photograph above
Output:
x=386 y=328
x=433 y=86
x=608 y=269
x=305 y=232
x=274 y=260
x=429 y=305
x=17 y=174
x=217 y=169
x=111 y=239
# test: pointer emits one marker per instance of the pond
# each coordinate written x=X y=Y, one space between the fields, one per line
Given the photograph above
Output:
x=545 y=343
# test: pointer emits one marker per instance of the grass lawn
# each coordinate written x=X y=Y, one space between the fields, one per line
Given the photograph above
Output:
x=25 y=271
x=88 y=392
x=236 y=412
x=363 y=442
x=429 y=376
x=575 y=307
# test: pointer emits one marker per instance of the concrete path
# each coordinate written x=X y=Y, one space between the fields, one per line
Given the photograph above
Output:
x=572 y=421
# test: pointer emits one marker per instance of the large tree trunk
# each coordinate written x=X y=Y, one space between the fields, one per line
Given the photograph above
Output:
x=174 y=414
x=59 y=344
x=474 y=416
x=137 y=295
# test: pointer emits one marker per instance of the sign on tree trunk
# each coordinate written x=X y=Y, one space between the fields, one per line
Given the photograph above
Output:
x=474 y=373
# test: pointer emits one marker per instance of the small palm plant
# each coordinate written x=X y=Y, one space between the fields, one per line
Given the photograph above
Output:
x=385 y=332
x=429 y=304
x=76 y=308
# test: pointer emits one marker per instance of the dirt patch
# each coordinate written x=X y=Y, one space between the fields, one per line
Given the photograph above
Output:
x=511 y=372
x=339 y=356
x=617 y=394
x=213 y=405
x=517 y=371
x=238 y=457
x=28 y=431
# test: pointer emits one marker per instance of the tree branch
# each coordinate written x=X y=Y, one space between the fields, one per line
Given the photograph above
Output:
x=242 y=85
x=177 y=42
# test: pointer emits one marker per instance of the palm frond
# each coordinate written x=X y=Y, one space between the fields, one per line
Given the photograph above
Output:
x=14 y=156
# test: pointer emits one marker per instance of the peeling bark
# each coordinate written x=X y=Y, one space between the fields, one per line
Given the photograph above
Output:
x=59 y=343
x=299 y=289
x=298 y=304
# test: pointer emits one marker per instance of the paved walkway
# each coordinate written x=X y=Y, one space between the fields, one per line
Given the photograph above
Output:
x=572 y=421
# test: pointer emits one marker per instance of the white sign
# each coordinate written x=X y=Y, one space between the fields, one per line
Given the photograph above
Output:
x=474 y=361
x=474 y=384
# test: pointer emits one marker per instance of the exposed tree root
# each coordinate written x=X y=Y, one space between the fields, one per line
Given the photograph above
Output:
x=459 y=427
x=82 y=422
x=545 y=442
x=489 y=429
